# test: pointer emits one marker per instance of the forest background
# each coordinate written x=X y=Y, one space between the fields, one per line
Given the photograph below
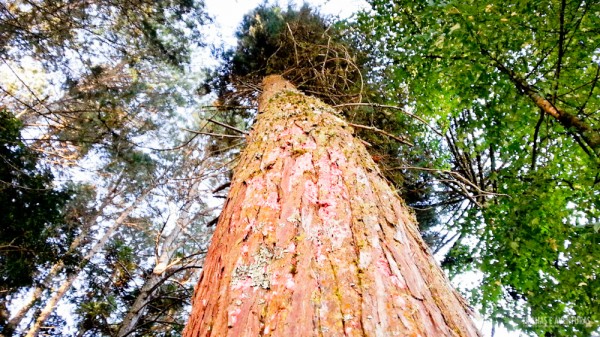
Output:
x=119 y=132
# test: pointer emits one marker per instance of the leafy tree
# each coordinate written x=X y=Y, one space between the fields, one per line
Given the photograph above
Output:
x=33 y=231
x=118 y=68
x=514 y=89
x=31 y=209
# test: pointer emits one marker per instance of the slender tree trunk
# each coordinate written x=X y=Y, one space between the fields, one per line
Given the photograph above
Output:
x=36 y=294
x=15 y=321
x=164 y=261
x=136 y=310
x=313 y=242
x=58 y=294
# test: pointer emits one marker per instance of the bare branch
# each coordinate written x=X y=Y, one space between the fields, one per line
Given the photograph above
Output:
x=212 y=134
x=395 y=108
x=372 y=128
x=227 y=126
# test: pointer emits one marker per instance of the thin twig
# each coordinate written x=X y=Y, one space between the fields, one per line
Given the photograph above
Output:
x=455 y=175
x=295 y=43
x=372 y=128
x=211 y=134
x=227 y=126
x=395 y=108
x=231 y=107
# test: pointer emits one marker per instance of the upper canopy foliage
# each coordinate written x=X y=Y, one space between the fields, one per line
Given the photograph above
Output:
x=62 y=33
x=298 y=44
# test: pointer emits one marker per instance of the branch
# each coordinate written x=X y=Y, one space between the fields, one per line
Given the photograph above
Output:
x=227 y=126
x=455 y=175
x=372 y=128
x=211 y=134
x=594 y=82
x=590 y=136
x=535 y=138
x=394 y=108
x=561 y=50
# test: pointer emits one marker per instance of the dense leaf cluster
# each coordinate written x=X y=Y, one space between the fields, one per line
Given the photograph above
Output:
x=32 y=232
x=504 y=83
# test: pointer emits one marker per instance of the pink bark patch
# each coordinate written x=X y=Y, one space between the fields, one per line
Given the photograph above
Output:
x=271 y=157
x=290 y=131
x=383 y=266
x=337 y=157
x=289 y=283
x=262 y=192
x=303 y=164
x=333 y=195
x=310 y=192
x=309 y=145
x=233 y=316
x=242 y=285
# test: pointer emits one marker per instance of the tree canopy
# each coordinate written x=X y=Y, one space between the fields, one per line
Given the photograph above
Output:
x=513 y=87
x=94 y=93
x=33 y=232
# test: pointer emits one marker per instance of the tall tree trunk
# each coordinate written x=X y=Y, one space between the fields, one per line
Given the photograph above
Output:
x=136 y=311
x=313 y=242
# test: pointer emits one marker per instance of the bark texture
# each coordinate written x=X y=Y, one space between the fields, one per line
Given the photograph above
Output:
x=313 y=242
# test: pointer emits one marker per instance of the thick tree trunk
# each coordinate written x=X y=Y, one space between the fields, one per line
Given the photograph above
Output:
x=313 y=242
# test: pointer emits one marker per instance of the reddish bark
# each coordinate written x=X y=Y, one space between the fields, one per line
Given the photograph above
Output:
x=313 y=242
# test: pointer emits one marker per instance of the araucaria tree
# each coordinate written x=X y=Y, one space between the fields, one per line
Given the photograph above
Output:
x=313 y=242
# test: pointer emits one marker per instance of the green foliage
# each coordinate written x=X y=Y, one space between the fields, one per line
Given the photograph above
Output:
x=139 y=29
x=299 y=44
x=32 y=231
x=532 y=191
x=543 y=252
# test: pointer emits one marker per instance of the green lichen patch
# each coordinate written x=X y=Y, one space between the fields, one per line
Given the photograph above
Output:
x=256 y=271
